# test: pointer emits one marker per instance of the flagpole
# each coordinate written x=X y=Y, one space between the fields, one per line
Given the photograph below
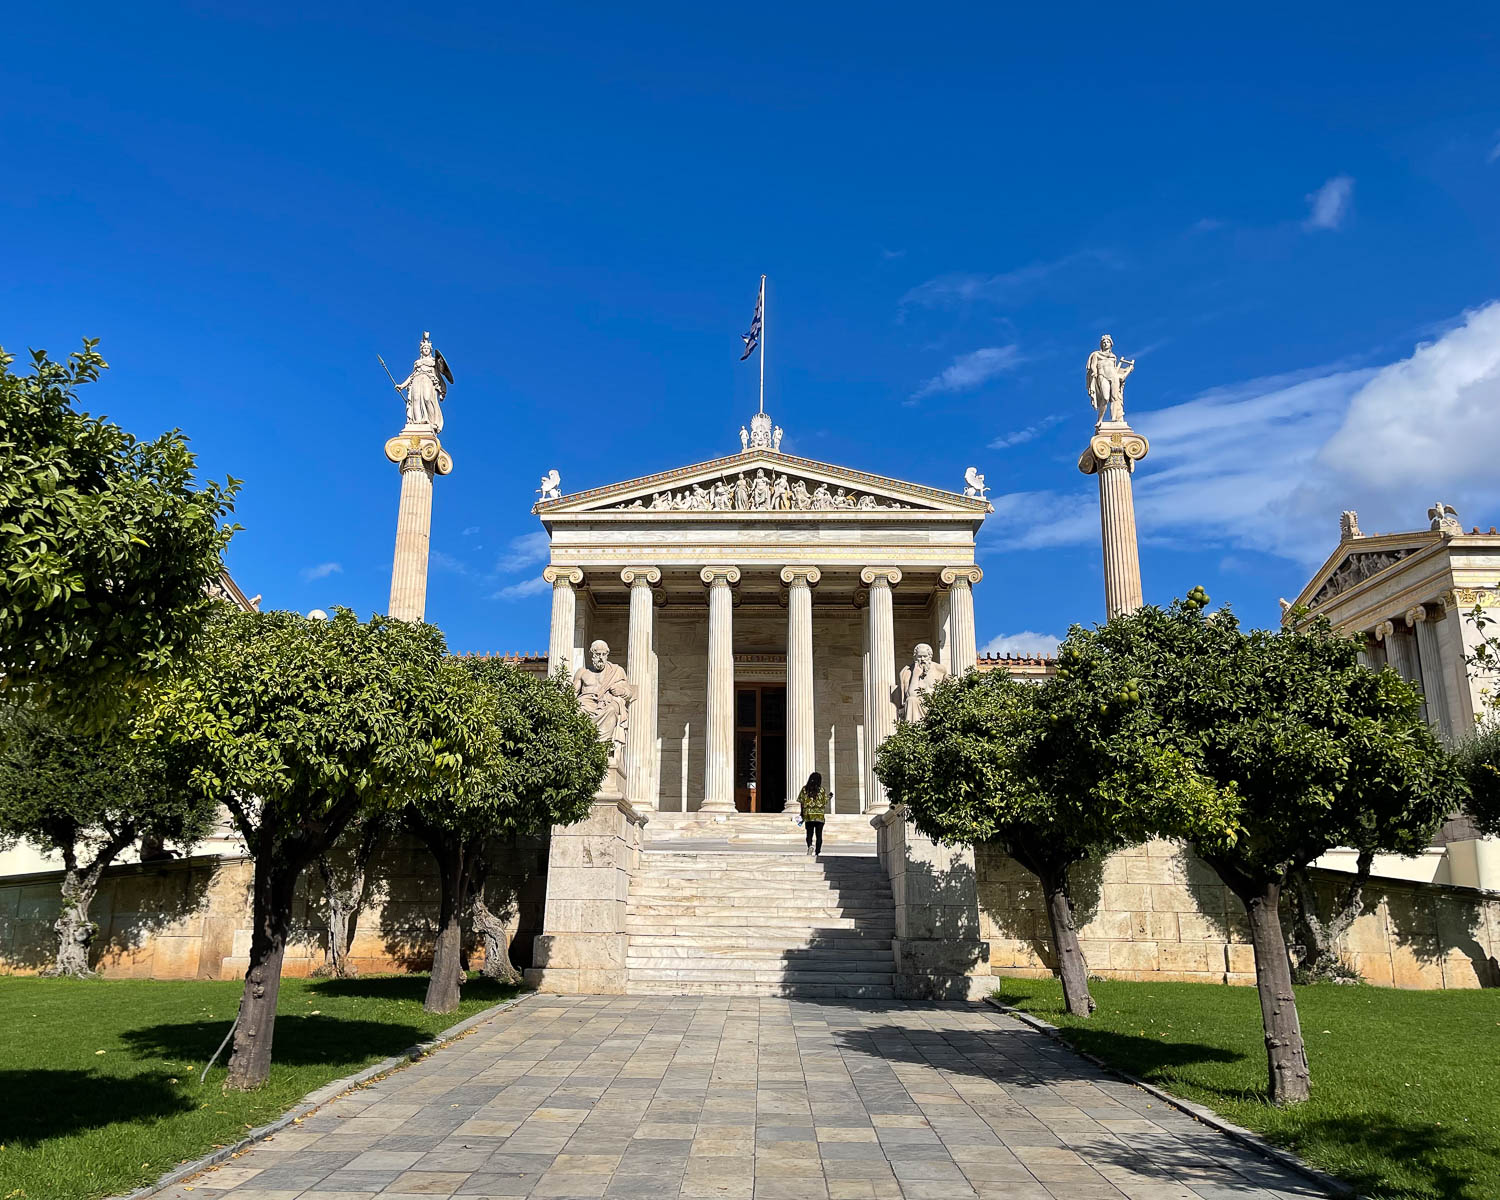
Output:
x=762 y=344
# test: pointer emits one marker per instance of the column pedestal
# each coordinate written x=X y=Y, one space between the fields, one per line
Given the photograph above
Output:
x=801 y=752
x=718 y=750
x=421 y=456
x=1112 y=454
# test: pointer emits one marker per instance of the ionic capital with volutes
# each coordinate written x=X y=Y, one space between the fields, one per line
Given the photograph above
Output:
x=808 y=575
x=419 y=450
x=1415 y=614
x=875 y=576
x=951 y=575
x=729 y=576
x=563 y=576
x=1113 y=448
x=1384 y=630
x=640 y=576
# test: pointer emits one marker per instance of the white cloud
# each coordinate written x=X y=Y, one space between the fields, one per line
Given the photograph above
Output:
x=970 y=370
x=950 y=291
x=470 y=531
x=519 y=591
x=1268 y=465
x=1019 y=437
x=1330 y=203
x=322 y=571
x=1494 y=154
x=446 y=562
x=524 y=551
x=1024 y=643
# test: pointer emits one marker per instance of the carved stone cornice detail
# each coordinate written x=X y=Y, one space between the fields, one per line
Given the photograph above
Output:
x=563 y=576
x=871 y=576
x=712 y=576
x=951 y=575
x=644 y=576
x=1355 y=569
x=809 y=575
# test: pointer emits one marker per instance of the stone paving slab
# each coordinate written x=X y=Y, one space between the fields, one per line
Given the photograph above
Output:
x=653 y=1097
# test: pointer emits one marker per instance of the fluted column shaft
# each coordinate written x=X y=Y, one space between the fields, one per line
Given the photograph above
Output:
x=560 y=638
x=1430 y=656
x=1112 y=455
x=718 y=753
x=882 y=702
x=640 y=673
x=413 y=534
x=965 y=652
x=801 y=751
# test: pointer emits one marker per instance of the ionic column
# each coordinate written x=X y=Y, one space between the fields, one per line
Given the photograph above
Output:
x=560 y=638
x=881 y=697
x=866 y=755
x=421 y=457
x=1430 y=663
x=960 y=581
x=640 y=654
x=718 y=751
x=1112 y=455
x=801 y=753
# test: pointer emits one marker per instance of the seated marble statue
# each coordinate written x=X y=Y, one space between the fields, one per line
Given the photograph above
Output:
x=917 y=682
x=605 y=694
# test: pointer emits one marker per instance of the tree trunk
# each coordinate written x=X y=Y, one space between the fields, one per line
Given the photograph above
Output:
x=1290 y=1081
x=1071 y=967
x=447 y=952
x=347 y=902
x=75 y=931
x=275 y=885
x=1319 y=936
x=497 y=964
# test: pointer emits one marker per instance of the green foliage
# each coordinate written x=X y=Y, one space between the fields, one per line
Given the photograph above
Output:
x=541 y=762
x=61 y=791
x=1312 y=749
x=1053 y=773
x=1479 y=757
x=106 y=545
x=300 y=719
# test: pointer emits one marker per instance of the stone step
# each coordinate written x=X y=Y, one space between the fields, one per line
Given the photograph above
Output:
x=651 y=891
x=739 y=939
x=788 y=977
x=706 y=928
x=764 y=969
x=783 y=991
x=810 y=914
x=790 y=864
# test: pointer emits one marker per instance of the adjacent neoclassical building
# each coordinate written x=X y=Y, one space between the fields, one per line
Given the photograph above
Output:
x=763 y=606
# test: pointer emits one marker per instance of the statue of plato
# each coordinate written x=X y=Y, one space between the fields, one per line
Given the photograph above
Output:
x=1104 y=376
x=605 y=694
x=917 y=682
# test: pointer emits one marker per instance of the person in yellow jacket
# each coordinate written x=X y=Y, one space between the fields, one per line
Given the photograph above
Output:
x=815 y=802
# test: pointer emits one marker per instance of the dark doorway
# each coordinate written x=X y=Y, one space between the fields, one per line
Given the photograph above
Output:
x=760 y=747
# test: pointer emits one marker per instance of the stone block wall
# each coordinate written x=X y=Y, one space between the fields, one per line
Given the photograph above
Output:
x=191 y=918
x=1156 y=911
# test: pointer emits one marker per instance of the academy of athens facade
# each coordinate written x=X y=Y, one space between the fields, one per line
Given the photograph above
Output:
x=762 y=639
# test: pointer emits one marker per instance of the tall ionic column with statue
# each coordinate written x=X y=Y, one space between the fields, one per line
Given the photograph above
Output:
x=1112 y=454
x=421 y=456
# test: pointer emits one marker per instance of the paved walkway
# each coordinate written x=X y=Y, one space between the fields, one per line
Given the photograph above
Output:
x=749 y=1099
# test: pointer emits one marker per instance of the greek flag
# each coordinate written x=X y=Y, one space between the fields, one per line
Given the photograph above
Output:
x=752 y=338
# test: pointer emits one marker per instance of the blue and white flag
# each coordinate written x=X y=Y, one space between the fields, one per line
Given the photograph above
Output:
x=752 y=338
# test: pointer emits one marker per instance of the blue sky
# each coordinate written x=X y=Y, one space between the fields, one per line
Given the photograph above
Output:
x=1291 y=221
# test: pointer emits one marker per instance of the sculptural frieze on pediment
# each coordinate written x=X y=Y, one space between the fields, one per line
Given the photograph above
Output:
x=760 y=491
x=1356 y=569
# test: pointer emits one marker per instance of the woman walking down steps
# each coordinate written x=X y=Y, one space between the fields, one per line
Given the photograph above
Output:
x=815 y=803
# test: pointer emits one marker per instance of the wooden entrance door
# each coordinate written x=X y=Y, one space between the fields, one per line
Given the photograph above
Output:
x=759 y=747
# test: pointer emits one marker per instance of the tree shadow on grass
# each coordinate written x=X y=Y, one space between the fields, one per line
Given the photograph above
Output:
x=301 y=1041
x=1372 y=1150
x=41 y=1104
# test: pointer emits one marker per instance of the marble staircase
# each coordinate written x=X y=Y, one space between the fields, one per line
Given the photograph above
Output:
x=749 y=923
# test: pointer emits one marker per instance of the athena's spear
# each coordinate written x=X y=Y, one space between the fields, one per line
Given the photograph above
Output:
x=388 y=374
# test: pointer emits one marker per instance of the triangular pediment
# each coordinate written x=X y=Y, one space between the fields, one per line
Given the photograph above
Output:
x=762 y=484
x=1358 y=560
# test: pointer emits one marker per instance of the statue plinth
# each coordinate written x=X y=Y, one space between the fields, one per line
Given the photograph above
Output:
x=1112 y=454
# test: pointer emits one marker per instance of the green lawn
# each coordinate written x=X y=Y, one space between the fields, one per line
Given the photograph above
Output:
x=99 y=1084
x=1406 y=1085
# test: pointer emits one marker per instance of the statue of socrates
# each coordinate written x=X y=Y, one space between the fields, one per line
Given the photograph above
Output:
x=605 y=694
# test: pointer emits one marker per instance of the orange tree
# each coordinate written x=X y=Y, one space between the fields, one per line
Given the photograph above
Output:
x=1310 y=748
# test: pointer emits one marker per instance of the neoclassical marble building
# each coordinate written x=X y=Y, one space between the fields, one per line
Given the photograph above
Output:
x=763 y=605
